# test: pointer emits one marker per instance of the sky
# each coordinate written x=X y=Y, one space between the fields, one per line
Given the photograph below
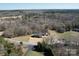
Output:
x=11 y=6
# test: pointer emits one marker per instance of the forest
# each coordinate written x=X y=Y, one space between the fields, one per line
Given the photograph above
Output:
x=40 y=22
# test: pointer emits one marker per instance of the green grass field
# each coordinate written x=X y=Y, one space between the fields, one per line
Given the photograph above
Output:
x=69 y=35
x=33 y=53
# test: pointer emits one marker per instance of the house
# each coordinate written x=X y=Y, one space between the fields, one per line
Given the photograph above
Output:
x=36 y=34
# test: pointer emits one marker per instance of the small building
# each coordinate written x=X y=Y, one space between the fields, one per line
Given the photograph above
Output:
x=36 y=34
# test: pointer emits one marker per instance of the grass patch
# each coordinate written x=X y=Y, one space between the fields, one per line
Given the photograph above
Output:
x=70 y=35
x=34 y=53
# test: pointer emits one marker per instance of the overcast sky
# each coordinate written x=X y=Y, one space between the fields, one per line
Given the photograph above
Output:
x=10 y=6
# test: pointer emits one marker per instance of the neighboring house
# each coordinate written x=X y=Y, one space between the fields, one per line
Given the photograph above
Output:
x=36 y=34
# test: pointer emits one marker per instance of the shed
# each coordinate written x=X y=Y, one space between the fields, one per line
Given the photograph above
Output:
x=36 y=34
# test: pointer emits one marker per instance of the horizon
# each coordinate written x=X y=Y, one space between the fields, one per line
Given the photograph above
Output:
x=37 y=6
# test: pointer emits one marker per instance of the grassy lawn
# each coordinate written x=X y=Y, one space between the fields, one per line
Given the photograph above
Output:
x=66 y=35
x=33 y=53
x=69 y=35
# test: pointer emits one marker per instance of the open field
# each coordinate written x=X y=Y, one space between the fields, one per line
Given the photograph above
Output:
x=65 y=35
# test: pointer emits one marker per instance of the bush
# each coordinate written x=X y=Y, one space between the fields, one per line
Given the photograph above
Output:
x=9 y=33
